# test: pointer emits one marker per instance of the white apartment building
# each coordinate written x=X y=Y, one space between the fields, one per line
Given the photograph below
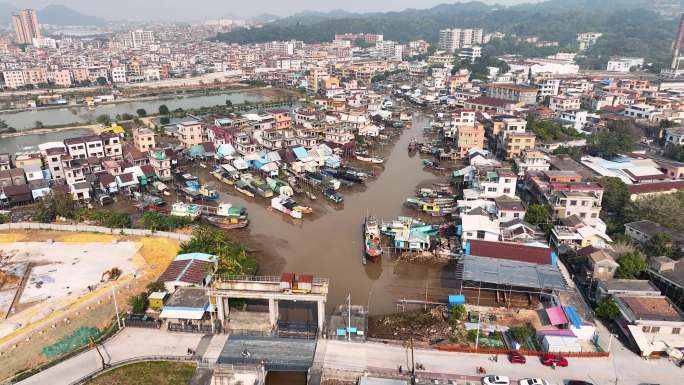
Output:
x=587 y=39
x=640 y=111
x=496 y=184
x=470 y=53
x=284 y=48
x=152 y=74
x=531 y=160
x=140 y=38
x=548 y=87
x=577 y=119
x=456 y=38
x=623 y=64
x=119 y=74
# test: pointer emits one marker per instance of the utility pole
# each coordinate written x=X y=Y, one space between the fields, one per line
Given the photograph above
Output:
x=349 y=317
x=413 y=365
x=116 y=307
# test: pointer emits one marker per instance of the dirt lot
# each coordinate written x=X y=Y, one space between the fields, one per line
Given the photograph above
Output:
x=426 y=327
x=23 y=348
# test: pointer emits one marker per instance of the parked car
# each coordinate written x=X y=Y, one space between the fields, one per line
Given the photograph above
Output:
x=516 y=358
x=533 y=381
x=554 y=359
x=495 y=380
x=579 y=382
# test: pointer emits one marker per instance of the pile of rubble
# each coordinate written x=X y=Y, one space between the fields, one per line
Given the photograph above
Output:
x=432 y=326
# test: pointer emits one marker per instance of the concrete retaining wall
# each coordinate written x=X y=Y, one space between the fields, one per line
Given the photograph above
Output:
x=92 y=229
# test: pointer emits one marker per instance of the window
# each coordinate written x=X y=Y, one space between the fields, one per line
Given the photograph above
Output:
x=645 y=329
x=676 y=330
x=507 y=191
x=655 y=329
x=573 y=203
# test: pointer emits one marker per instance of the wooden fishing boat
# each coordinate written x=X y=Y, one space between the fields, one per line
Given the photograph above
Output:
x=227 y=223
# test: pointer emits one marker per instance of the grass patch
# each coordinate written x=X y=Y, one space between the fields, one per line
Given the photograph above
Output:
x=148 y=373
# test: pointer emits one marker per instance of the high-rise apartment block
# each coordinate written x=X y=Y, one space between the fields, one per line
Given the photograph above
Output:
x=456 y=38
x=26 y=26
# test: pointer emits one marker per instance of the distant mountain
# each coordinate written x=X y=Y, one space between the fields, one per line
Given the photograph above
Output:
x=6 y=11
x=62 y=15
x=264 y=18
x=629 y=27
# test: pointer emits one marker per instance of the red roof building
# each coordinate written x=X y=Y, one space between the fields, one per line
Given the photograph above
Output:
x=511 y=251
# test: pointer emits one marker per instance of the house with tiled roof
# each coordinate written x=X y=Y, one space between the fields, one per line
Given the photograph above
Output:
x=192 y=269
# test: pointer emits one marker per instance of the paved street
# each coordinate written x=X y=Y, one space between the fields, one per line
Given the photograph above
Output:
x=130 y=343
x=381 y=358
x=378 y=358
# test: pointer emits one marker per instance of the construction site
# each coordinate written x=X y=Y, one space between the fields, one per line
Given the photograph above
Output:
x=57 y=286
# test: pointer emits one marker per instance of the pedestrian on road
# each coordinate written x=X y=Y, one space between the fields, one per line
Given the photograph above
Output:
x=400 y=369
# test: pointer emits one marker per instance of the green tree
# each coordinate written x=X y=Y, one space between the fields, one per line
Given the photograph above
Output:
x=608 y=309
x=458 y=313
x=632 y=264
x=573 y=152
x=55 y=204
x=538 y=214
x=104 y=120
x=666 y=123
x=619 y=138
x=138 y=303
x=102 y=81
x=141 y=112
x=660 y=244
x=233 y=257
x=229 y=103
x=5 y=218
x=38 y=124
x=615 y=194
x=155 y=286
x=163 y=110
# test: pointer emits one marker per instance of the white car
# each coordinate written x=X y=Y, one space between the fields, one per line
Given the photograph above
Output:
x=496 y=380
x=533 y=381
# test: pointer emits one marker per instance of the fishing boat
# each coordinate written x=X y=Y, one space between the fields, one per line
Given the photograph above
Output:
x=413 y=145
x=261 y=188
x=370 y=159
x=286 y=205
x=245 y=188
x=295 y=185
x=227 y=223
x=372 y=242
x=225 y=210
x=399 y=224
x=187 y=210
x=333 y=196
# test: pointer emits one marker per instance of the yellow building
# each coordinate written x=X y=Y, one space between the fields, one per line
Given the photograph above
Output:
x=156 y=299
x=115 y=129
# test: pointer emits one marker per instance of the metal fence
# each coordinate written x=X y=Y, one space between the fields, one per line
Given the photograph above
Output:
x=92 y=229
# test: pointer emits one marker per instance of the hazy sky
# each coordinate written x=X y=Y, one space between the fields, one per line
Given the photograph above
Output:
x=191 y=10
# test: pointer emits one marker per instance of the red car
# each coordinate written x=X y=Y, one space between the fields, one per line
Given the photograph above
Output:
x=554 y=359
x=516 y=358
